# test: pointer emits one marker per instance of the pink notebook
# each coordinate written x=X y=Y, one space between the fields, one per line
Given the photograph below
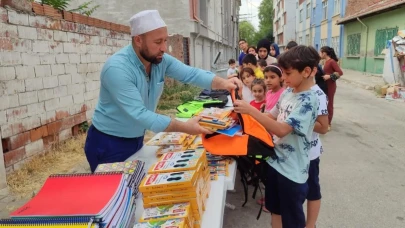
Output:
x=74 y=195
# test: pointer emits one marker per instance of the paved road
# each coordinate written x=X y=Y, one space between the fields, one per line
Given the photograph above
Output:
x=362 y=168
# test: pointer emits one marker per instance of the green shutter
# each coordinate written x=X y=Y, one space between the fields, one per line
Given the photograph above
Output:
x=353 y=44
x=381 y=38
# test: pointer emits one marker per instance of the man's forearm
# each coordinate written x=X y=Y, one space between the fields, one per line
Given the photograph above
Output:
x=176 y=126
x=217 y=82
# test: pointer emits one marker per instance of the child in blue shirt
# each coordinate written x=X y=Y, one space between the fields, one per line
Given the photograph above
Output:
x=292 y=124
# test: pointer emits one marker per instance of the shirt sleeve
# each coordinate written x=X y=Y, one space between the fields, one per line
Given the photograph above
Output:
x=126 y=95
x=336 y=68
x=303 y=115
x=188 y=74
x=323 y=105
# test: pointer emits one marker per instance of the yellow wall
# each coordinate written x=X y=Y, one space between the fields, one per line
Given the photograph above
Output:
x=335 y=27
x=324 y=29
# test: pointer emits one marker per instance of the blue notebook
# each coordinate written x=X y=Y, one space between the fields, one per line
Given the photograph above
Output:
x=231 y=131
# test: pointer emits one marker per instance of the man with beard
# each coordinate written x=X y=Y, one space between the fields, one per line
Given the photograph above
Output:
x=132 y=82
x=263 y=50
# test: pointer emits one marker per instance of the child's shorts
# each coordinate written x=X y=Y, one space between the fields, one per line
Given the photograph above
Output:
x=314 y=188
x=285 y=197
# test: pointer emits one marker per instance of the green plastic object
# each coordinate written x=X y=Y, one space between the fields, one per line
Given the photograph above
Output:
x=188 y=109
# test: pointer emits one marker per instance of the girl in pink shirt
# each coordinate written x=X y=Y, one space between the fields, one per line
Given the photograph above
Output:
x=274 y=83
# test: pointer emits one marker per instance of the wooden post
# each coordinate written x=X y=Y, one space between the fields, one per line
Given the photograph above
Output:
x=3 y=180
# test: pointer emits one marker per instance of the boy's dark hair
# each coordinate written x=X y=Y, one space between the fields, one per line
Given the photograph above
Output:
x=249 y=58
x=299 y=57
x=291 y=44
x=231 y=61
x=262 y=62
x=242 y=40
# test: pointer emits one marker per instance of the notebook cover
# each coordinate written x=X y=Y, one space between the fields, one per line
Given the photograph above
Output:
x=48 y=222
x=73 y=195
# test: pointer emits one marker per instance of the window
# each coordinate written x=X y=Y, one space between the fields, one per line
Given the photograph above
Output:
x=186 y=50
x=381 y=38
x=285 y=18
x=324 y=42
x=324 y=10
x=280 y=39
x=337 y=7
x=203 y=10
x=336 y=45
x=308 y=10
x=301 y=15
x=353 y=44
x=300 y=41
x=307 y=40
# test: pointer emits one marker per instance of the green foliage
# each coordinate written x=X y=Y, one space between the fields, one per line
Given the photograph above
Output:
x=247 y=31
x=83 y=127
x=57 y=4
x=265 y=25
x=85 y=8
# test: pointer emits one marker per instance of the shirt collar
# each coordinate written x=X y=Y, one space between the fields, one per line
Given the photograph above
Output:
x=134 y=57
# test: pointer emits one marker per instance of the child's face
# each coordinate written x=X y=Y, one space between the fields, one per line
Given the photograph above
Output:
x=247 y=79
x=322 y=55
x=252 y=51
x=272 y=51
x=263 y=53
x=272 y=80
x=232 y=66
x=262 y=68
x=293 y=78
x=258 y=92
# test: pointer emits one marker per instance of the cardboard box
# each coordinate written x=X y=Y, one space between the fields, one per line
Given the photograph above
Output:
x=169 y=181
x=166 y=212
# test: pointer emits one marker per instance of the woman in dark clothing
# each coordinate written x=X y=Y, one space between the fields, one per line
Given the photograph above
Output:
x=320 y=81
x=332 y=73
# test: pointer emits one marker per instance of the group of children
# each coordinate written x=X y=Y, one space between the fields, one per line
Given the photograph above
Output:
x=286 y=100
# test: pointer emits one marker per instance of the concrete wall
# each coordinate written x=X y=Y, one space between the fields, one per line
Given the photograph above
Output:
x=367 y=61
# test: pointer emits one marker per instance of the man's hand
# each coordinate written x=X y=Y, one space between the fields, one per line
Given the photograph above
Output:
x=194 y=128
x=228 y=84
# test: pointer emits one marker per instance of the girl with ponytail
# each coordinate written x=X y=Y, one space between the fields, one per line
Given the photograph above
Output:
x=332 y=74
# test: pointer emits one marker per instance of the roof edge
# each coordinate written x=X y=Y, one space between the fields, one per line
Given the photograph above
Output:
x=388 y=7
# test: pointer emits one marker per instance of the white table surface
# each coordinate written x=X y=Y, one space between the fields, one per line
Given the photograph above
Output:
x=214 y=213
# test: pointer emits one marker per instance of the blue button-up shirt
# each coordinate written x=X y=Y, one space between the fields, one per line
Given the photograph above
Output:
x=128 y=100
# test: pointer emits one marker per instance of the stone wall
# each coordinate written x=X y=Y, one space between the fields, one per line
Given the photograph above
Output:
x=49 y=76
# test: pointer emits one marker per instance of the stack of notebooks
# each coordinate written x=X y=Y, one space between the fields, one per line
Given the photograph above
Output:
x=176 y=188
x=220 y=121
x=174 y=142
x=102 y=199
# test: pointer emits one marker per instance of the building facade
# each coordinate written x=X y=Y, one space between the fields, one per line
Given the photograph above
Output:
x=316 y=23
x=284 y=22
x=368 y=26
x=211 y=26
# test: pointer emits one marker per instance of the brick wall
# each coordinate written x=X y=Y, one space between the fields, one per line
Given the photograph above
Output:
x=49 y=77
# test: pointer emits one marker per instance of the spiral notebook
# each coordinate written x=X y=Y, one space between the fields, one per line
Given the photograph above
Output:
x=75 y=195
x=75 y=222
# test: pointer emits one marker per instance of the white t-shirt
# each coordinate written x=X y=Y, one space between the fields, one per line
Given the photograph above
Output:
x=247 y=94
x=316 y=144
x=231 y=71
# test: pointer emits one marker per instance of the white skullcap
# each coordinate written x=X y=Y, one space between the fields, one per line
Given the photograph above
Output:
x=146 y=21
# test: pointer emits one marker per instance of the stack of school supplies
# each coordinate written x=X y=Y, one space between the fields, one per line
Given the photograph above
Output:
x=177 y=178
x=216 y=119
x=218 y=165
x=105 y=197
x=134 y=172
x=173 y=142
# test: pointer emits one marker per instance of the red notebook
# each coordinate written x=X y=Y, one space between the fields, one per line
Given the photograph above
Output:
x=74 y=195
